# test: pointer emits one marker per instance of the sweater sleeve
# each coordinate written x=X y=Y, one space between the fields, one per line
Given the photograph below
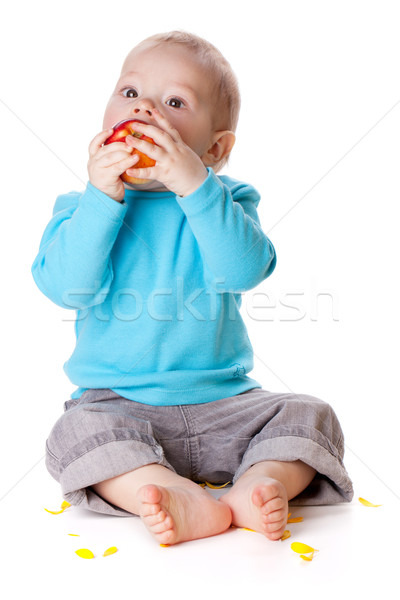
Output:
x=226 y=226
x=73 y=267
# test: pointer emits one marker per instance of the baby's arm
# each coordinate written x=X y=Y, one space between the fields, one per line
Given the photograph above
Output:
x=226 y=226
x=73 y=267
x=224 y=222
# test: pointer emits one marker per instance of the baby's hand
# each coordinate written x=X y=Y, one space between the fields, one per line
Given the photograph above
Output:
x=177 y=166
x=107 y=163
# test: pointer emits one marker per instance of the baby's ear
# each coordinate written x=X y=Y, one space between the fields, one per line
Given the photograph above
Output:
x=221 y=144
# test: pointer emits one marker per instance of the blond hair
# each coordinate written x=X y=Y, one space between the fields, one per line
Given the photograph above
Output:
x=225 y=85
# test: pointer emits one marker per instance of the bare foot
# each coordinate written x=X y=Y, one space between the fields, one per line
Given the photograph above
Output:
x=177 y=514
x=259 y=503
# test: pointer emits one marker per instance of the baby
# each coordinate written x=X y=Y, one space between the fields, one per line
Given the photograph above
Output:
x=155 y=271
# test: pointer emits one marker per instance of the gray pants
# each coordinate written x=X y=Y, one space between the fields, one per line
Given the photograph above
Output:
x=102 y=435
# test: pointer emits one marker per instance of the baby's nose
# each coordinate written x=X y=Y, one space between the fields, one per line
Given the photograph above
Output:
x=144 y=106
x=143 y=110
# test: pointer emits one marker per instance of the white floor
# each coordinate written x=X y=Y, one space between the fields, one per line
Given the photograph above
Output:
x=357 y=551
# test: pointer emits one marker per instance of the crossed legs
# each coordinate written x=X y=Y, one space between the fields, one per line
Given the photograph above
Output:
x=175 y=509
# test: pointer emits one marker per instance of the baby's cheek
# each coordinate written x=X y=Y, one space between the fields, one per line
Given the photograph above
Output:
x=113 y=114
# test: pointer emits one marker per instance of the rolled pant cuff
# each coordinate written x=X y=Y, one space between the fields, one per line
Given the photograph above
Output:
x=331 y=484
x=104 y=462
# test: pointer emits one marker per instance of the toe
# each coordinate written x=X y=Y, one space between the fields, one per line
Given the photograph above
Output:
x=150 y=510
x=150 y=494
x=163 y=527
x=275 y=535
x=267 y=493
x=276 y=504
x=166 y=537
x=152 y=520
x=257 y=496
x=273 y=527
x=277 y=516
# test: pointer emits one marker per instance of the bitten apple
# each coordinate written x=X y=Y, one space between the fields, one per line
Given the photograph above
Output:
x=121 y=130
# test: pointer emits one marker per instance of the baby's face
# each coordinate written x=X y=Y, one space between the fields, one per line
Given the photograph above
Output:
x=172 y=80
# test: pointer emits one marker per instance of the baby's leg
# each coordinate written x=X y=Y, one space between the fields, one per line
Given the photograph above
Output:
x=174 y=509
x=259 y=498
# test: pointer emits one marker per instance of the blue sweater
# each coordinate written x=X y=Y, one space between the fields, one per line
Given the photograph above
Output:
x=156 y=282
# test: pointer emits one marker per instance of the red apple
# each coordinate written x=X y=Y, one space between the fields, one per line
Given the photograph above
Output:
x=121 y=130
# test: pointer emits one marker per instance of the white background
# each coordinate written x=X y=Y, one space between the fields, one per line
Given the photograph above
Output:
x=318 y=136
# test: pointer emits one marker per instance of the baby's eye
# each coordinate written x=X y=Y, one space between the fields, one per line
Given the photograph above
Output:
x=130 y=93
x=175 y=102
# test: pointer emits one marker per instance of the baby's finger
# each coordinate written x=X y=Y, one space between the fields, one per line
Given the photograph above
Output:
x=120 y=167
x=111 y=158
x=166 y=125
x=113 y=149
x=151 y=150
x=162 y=137
x=145 y=173
x=98 y=141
